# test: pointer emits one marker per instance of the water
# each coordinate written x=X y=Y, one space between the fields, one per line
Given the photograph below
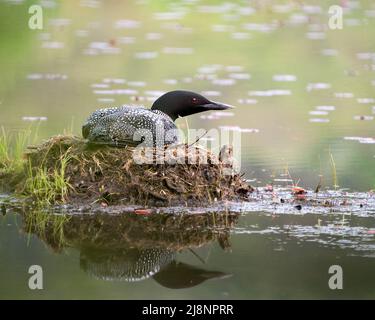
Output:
x=265 y=256
x=304 y=95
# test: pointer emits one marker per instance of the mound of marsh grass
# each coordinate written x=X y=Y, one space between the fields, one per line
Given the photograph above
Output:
x=64 y=169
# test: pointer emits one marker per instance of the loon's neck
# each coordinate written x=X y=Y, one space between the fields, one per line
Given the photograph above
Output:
x=162 y=113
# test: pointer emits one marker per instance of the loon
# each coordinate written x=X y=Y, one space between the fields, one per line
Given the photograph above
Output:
x=129 y=126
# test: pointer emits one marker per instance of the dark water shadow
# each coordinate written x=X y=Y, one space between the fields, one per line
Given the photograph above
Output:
x=133 y=247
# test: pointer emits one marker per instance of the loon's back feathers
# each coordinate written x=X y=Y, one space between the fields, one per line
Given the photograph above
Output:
x=129 y=126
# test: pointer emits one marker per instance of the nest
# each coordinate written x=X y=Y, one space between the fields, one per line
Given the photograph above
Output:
x=176 y=175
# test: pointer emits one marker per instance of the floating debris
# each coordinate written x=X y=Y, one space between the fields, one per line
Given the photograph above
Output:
x=315 y=35
x=239 y=76
x=126 y=40
x=364 y=140
x=284 y=78
x=247 y=101
x=239 y=129
x=224 y=82
x=222 y=28
x=318 y=86
x=318 y=113
x=116 y=92
x=241 y=36
x=31 y=119
x=136 y=83
x=114 y=80
x=146 y=55
x=318 y=120
x=363 y=118
x=170 y=81
x=53 y=45
x=270 y=93
x=59 y=22
x=127 y=24
x=96 y=48
x=260 y=27
x=47 y=76
x=169 y=15
x=106 y=100
x=153 y=36
x=211 y=93
x=325 y=108
x=365 y=100
x=344 y=95
x=329 y=52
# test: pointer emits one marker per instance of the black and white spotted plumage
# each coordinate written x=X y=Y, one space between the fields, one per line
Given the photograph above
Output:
x=129 y=126
x=125 y=125
x=125 y=264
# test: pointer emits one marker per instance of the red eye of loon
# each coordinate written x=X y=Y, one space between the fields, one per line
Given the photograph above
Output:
x=194 y=100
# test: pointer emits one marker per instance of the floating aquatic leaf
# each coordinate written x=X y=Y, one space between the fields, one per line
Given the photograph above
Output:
x=106 y=100
x=241 y=36
x=325 y=108
x=126 y=40
x=100 y=85
x=82 y=33
x=365 y=100
x=34 y=119
x=315 y=35
x=146 y=55
x=318 y=120
x=114 y=80
x=222 y=28
x=90 y=3
x=170 y=81
x=310 y=9
x=298 y=18
x=127 y=24
x=169 y=15
x=47 y=76
x=284 y=77
x=224 y=82
x=270 y=93
x=153 y=36
x=363 y=118
x=247 y=101
x=239 y=76
x=136 y=83
x=351 y=22
x=53 y=45
x=211 y=93
x=329 y=52
x=59 y=22
x=345 y=95
x=318 y=113
x=318 y=86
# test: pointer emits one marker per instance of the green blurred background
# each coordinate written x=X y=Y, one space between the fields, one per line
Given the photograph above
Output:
x=200 y=45
x=93 y=54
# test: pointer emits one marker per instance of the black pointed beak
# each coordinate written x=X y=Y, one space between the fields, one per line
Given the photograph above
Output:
x=212 y=105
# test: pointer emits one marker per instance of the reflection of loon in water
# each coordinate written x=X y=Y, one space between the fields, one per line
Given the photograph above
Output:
x=128 y=264
x=129 y=247
x=178 y=275
x=136 y=265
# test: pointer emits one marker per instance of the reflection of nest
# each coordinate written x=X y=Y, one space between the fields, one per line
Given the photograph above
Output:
x=131 y=247
x=170 y=231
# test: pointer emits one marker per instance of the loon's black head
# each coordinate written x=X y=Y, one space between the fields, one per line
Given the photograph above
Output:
x=182 y=103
